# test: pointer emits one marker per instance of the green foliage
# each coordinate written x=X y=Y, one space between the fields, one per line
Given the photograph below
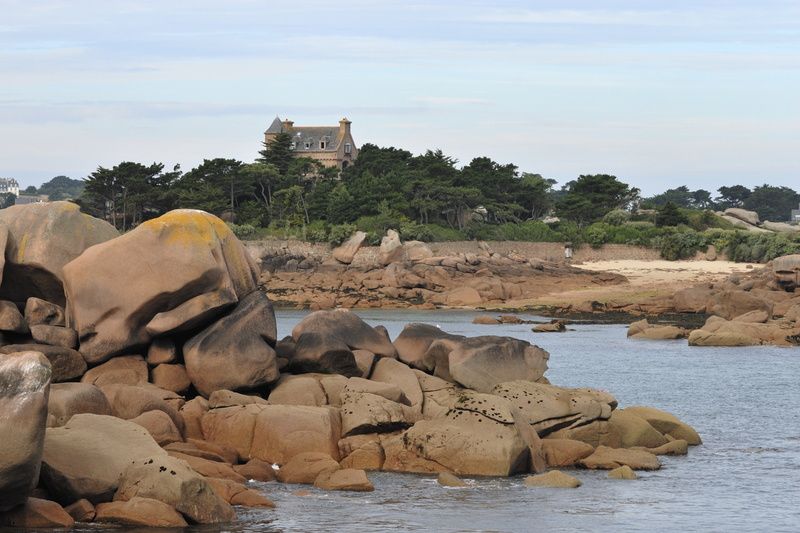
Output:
x=733 y=196
x=243 y=231
x=128 y=193
x=640 y=225
x=340 y=233
x=61 y=188
x=590 y=197
x=670 y=215
x=341 y=205
x=278 y=152
x=595 y=235
x=414 y=231
x=772 y=203
x=316 y=231
x=616 y=217
x=677 y=244
x=745 y=246
x=7 y=199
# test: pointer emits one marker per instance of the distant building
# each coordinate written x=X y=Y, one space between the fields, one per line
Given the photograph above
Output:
x=9 y=185
x=23 y=200
x=331 y=146
x=795 y=215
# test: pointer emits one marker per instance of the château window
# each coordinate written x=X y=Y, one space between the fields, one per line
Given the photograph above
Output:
x=322 y=145
x=292 y=146
x=347 y=148
x=307 y=145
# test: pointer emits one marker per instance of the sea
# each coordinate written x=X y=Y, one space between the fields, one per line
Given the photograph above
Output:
x=745 y=477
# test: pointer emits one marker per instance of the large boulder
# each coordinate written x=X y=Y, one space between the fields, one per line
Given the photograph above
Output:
x=274 y=433
x=549 y=408
x=174 y=482
x=346 y=326
x=751 y=217
x=181 y=271
x=42 y=312
x=69 y=399
x=667 y=424
x=318 y=352
x=42 y=239
x=86 y=457
x=414 y=341
x=787 y=271
x=606 y=458
x=730 y=304
x=347 y=251
x=236 y=352
x=305 y=467
x=480 y=363
x=417 y=251
x=479 y=436
x=24 y=390
x=143 y=512
x=694 y=300
x=11 y=320
x=391 y=250
x=67 y=364
x=35 y=514
x=374 y=407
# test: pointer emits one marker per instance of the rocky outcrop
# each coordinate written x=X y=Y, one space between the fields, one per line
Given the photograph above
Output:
x=41 y=239
x=187 y=392
x=85 y=458
x=480 y=363
x=643 y=330
x=237 y=351
x=347 y=251
x=347 y=327
x=391 y=248
x=181 y=271
x=24 y=390
x=787 y=271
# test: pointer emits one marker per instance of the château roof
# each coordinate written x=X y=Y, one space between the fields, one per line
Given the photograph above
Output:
x=309 y=138
x=276 y=126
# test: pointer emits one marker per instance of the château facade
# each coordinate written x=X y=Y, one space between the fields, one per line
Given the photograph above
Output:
x=9 y=185
x=331 y=146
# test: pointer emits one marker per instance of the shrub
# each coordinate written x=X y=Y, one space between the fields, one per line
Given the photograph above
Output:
x=675 y=244
x=596 y=235
x=316 y=231
x=243 y=231
x=340 y=233
x=414 y=231
x=617 y=217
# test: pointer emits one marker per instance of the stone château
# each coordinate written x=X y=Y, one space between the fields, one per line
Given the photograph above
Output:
x=331 y=146
x=9 y=185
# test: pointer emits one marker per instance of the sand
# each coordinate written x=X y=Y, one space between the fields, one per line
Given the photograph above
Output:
x=647 y=279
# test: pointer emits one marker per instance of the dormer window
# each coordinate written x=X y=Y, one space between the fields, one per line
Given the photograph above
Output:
x=347 y=148
x=307 y=145
x=292 y=146
x=322 y=145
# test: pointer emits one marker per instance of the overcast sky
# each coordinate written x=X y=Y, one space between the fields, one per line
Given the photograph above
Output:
x=659 y=93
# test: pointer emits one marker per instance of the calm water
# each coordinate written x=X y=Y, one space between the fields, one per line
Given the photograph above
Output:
x=744 y=402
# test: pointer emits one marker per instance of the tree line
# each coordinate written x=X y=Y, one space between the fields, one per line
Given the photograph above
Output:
x=425 y=197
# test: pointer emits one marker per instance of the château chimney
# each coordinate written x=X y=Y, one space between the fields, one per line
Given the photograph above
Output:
x=287 y=125
x=344 y=127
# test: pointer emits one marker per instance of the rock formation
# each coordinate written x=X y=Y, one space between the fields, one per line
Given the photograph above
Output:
x=170 y=388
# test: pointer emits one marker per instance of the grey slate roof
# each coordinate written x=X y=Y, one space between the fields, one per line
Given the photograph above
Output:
x=276 y=126
x=310 y=138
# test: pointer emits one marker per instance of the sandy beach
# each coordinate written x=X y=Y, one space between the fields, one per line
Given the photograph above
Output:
x=647 y=279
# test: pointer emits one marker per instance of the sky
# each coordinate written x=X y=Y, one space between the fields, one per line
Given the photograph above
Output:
x=659 y=93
